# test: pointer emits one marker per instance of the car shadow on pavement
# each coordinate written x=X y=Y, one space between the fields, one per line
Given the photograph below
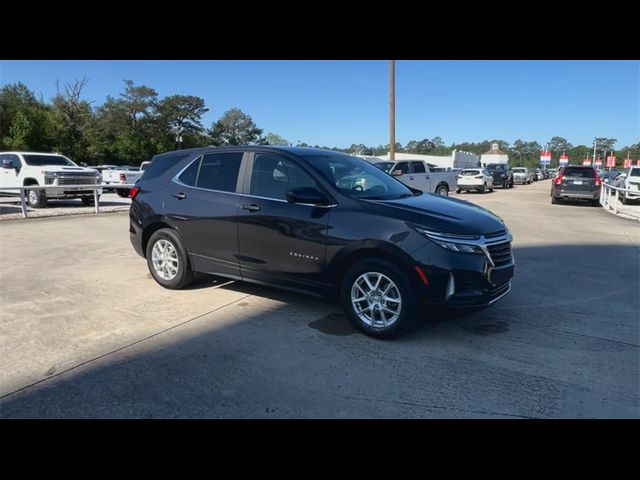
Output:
x=564 y=344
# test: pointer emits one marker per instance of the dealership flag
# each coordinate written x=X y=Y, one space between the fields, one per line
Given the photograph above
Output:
x=627 y=162
x=545 y=157
x=637 y=163
x=598 y=162
x=611 y=161
x=564 y=159
x=586 y=161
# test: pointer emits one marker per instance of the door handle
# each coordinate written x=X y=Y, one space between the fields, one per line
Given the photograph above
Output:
x=179 y=195
x=251 y=208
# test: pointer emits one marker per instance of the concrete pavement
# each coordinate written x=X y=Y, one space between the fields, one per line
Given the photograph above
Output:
x=85 y=332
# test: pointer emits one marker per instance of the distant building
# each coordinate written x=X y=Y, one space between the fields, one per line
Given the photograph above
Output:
x=494 y=155
x=457 y=159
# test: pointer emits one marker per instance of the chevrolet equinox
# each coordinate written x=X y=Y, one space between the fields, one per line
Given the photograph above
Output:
x=319 y=222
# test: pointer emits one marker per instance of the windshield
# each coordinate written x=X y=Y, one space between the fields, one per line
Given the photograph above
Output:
x=635 y=172
x=495 y=167
x=518 y=170
x=357 y=178
x=41 y=160
x=385 y=166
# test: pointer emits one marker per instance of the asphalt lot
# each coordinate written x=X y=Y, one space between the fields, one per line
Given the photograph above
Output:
x=85 y=332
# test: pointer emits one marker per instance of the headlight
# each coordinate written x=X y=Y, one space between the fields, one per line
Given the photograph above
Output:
x=452 y=242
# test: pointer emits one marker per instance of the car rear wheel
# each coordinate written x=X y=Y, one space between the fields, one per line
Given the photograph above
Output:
x=458 y=190
x=123 y=192
x=168 y=261
x=484 y=188
x=378 y=298
x=491 y=188
x=89 y=201
x=442 y=190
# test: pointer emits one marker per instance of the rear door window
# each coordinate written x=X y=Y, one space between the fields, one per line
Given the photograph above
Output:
x=219 y=171
x=418 y=167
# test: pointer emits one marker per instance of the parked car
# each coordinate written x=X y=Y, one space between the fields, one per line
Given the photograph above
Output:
x=102 y=168
x=474 y=179
x=522 y=175
x=608 y=177
x=418 y=174
x=121 y=176
x=576 y=183
x=501 y=173
x=538 y=175
x=33 y=168
x=629 y=180
x=279 y=216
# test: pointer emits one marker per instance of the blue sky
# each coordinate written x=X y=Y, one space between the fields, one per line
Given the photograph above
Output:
x=337 y=103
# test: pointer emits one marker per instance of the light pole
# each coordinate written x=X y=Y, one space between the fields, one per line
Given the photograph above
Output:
x=177 y=130
x=594 y=151
x=392 y=110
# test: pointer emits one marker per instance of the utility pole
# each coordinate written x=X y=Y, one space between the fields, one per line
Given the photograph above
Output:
x=594 y=151
x=392 y=110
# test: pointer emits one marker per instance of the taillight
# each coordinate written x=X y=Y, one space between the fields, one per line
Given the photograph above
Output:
x=134 y=192
x=558 y=180
x=123 y=177
x=478 y=176
x=598 y=179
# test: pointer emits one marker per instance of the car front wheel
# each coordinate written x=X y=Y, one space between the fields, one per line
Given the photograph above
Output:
x=378 y=298
x=36 y=198
x=442 y=190
x=168 y=261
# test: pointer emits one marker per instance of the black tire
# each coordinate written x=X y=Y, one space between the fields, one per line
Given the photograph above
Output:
x=407 y=316
x=123 y=192
x=36 y=198
x=625 y=200
x=89 y=201
x=484 y=188
x=442 y=190
x=554 y=200
x=505 y=184
x=511 y=185
x=491 y=188
x=458 y=190
x=595 y=203
x=184 y=275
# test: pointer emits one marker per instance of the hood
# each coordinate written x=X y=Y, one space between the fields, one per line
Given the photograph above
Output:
x=440 y=213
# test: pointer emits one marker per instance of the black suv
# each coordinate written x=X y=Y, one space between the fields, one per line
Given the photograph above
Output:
x=319 y=222
x=501 y=173
x=576 y=182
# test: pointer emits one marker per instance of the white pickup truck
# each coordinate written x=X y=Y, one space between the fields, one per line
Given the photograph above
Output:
x=416 y=174
x=19 y=169
x=121 y=176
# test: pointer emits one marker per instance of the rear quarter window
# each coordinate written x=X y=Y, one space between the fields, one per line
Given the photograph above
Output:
x=161 y=164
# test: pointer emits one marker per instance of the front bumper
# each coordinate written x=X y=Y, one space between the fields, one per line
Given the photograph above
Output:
x=71 y=193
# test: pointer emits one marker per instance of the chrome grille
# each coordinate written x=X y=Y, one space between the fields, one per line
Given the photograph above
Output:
x=500 y=253
x=88 y=180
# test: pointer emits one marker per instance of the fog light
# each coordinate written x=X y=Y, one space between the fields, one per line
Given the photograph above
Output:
x=451 y=287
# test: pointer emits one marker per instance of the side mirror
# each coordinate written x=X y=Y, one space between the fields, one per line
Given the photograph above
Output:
x=8 y=163
x=307 y=196
x=396 y=173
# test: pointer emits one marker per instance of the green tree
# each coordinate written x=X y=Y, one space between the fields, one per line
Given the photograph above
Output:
x=183 y=112
x=235 y=128
x=274 y=139
x=70 y=117
x=18 y=132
